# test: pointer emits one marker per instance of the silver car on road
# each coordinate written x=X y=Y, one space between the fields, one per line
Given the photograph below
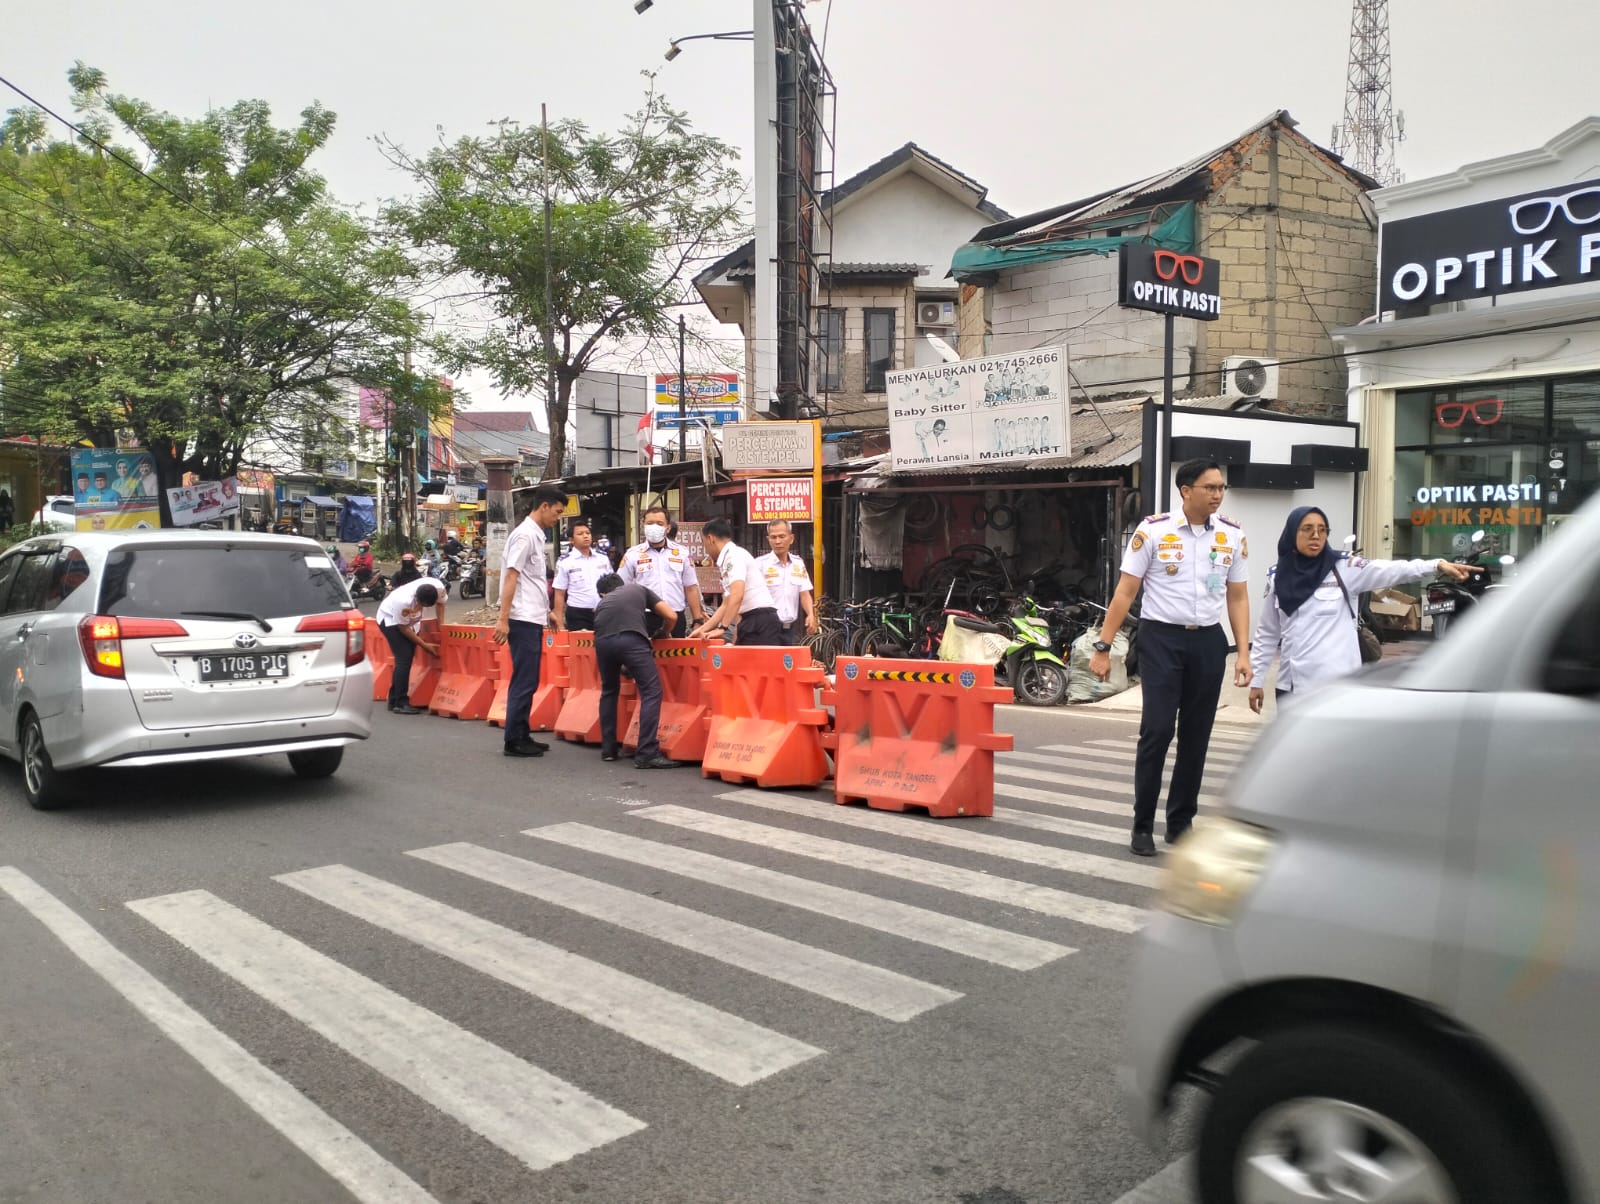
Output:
x=149 y=647
x=1383 y=959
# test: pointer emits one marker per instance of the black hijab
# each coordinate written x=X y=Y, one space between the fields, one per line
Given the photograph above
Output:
x=1299 y=575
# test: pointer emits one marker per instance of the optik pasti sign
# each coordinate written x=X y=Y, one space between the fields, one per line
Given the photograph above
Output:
x=1168 y=282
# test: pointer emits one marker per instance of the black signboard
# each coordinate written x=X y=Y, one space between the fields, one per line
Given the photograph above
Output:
x=1513 y=245
x=1170 y=282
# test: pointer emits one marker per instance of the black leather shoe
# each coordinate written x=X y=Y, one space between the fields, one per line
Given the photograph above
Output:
x=407 y=710
x=659 y=762
x=608 y=754
x=1175 y=834
x=1143 y=844
x=539 y=744
x=524 y=748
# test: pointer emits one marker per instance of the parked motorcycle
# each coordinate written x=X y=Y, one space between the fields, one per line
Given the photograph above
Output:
x=1038 y=676
x=366 y=585
x=1448 y=600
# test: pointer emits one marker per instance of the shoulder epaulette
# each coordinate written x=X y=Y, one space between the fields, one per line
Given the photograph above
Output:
x=1157 y=518
x=1230 y=522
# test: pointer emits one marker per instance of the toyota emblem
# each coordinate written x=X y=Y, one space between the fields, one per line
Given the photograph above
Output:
x=244 y=640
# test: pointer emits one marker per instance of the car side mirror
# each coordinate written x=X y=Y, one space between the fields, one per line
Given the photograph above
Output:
x=1570 y=675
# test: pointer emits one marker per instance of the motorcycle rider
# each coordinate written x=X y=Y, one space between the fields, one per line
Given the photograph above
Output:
x=339 y=565
x=361 y=561
x=407 y=572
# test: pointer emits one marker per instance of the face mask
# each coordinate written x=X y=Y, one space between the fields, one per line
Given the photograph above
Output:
x=654 y=532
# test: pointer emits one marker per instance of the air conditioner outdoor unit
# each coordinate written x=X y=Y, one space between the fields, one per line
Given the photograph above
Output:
x=1244 y=376
x=936 y=313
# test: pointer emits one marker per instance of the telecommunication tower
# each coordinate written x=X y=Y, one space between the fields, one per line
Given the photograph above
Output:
x=1371 y=128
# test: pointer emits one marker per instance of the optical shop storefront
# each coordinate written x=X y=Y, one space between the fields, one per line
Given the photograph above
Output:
x=1478 y=386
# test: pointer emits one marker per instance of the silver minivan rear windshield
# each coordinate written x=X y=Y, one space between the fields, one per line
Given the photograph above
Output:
x=162 y=581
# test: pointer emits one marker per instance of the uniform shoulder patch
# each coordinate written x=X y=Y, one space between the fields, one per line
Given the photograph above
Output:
x=1138 y=540
x=1229 y=522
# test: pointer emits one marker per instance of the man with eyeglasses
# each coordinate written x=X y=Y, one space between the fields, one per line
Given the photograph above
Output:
x=1191 y=566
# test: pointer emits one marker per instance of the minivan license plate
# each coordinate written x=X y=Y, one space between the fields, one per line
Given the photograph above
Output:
x=1439 y=608
x=246 y=666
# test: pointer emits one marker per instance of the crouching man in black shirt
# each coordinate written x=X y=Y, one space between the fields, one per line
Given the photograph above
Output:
x=621 y=639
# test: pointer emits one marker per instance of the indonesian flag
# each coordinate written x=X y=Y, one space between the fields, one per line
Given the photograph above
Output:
x=647 y=436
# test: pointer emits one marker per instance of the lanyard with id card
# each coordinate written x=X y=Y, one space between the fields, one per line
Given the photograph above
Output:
x=1214 y=577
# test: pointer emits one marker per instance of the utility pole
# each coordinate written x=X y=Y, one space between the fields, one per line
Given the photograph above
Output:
x=683 y=421
x=1371 y=128
x=549 y=301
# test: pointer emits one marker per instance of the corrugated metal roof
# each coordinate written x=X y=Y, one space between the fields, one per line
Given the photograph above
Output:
x=745 y=271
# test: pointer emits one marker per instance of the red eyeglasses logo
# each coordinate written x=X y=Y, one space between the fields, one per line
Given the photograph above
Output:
x=1452 y=414
x=1170 y=263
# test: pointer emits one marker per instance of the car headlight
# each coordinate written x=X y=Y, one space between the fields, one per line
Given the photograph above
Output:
x=1212 y=869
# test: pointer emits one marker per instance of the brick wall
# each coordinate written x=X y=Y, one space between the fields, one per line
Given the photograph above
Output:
x=1293 y=273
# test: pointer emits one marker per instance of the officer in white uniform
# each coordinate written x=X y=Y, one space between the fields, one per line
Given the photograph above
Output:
x=665 y=568
x=788 y=583
x=578 y=576
x=1309 y=624
x=745 y=598
x=1192 y=567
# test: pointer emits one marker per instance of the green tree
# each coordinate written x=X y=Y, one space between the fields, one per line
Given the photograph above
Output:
x=631 y=214
x=220 y=300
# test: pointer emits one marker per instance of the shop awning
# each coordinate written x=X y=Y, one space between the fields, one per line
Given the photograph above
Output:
x=980 y=259
x=320 y=502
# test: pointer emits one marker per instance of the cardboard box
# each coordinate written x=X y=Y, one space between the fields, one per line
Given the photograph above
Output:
x=1395 y=610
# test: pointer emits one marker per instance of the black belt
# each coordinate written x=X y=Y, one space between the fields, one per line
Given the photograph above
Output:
x=1178 y=626
x=759 y=610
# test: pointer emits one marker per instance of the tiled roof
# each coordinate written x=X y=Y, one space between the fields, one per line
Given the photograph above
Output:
x=746 y=270
x=494 y=420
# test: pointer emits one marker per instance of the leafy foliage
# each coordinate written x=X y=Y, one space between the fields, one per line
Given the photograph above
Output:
x=219 y=299
x=631 y=213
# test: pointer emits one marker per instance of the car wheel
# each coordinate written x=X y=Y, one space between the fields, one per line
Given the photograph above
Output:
x=316 y=762
x=41 y=782
x=1345 y=1114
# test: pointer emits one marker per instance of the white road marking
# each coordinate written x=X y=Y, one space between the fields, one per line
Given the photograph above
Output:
x=1123 y=781
x=993 y=945
x=833 y=976
x=529 y=1113
x=951 y=834
x=1072 y=754
x=1054 y=798
x=1060 y=824
x=732 y=1048
x=1047 y=900
x=334 y=1148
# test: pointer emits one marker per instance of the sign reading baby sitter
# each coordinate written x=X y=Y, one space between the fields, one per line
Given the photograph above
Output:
x=1002 y=409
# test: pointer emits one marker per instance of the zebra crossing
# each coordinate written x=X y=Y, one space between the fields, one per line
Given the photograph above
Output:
x=1053 y=858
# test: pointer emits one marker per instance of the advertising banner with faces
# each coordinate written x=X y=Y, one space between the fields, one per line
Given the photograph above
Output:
x=1001 y=409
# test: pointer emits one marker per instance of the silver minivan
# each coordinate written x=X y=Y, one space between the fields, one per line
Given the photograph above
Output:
x=1382 y=959
x=149 y=647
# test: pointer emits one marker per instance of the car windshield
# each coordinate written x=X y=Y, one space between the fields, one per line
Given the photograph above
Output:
x=163 y=581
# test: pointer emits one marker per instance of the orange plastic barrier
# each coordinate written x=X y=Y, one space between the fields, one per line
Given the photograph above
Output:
x=765 y=726
x=579 y=718
x=466 y=683
x=685 y=706
x=425 y=667
x=382 y=658
x=905 y=735
x=552 y=688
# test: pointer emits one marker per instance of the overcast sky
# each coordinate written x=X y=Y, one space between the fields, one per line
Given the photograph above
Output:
x=1040 y=100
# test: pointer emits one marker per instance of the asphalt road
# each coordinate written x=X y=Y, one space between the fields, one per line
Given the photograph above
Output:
x=627 y=1005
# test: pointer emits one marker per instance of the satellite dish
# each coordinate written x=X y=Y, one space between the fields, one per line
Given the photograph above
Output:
x=946 y=353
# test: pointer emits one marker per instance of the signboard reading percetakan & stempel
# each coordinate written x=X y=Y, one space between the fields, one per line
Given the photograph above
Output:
x=767 y=447
x=773 y=498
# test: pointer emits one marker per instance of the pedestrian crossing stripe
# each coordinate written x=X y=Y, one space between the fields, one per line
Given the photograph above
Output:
x=932 y=679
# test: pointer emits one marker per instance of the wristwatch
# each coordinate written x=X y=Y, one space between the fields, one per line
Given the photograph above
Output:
x=1101 y=646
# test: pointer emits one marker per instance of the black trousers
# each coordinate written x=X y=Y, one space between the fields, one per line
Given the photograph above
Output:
x=404 y=652
x=760 y=626
x=580 y=618
x=526 y=643
x=611 y=653
x=794 y=633
x=1181 y=674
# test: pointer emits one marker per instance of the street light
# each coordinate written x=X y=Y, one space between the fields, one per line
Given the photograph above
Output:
x=732 y=35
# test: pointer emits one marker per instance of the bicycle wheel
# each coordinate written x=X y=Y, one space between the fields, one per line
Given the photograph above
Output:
x=882 y=641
